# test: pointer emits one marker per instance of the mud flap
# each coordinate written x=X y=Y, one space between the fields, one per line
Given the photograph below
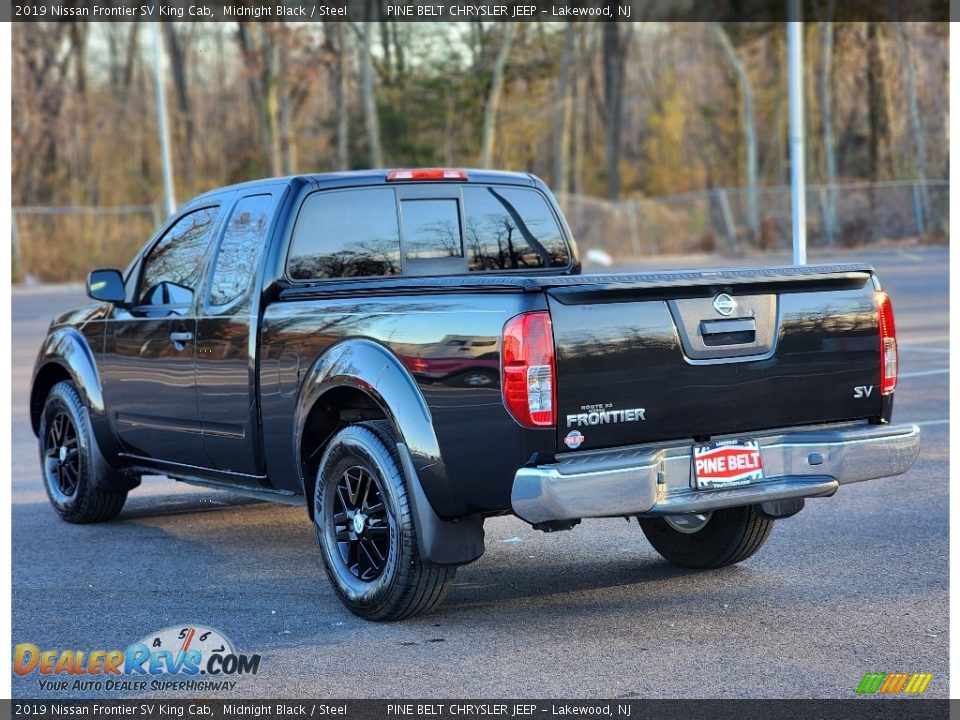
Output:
x=441 y=542
x=105 y=476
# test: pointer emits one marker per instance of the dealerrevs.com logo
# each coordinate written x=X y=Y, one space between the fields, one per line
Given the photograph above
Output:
x=153 y=663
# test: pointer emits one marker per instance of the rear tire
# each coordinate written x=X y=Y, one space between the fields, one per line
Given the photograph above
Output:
x=365 y=528
x=67 y=460
x=730 y=536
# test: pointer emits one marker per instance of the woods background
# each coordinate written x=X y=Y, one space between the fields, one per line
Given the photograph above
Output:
x=656 y=138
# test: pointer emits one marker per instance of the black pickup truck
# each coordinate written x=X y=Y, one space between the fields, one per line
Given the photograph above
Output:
x=410 y=352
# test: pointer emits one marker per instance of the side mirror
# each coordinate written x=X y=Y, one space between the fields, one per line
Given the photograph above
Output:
x=106 y=286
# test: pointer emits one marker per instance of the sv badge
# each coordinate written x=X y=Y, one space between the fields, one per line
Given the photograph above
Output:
x=862 y=391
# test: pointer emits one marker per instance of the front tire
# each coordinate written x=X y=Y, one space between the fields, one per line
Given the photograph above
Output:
x=365 y=528
x=729 y=536
x=68 y=461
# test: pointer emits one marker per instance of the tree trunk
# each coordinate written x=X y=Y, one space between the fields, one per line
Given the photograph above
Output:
x=562 y=123
x=579 y=115
x=261 y=80
x=749 y=129
x=879 y=125
x=371 y=121
x=288 y=148
x=271 y=108
x=132 y=54
x=493 y=99
x=916 y=128
x=614 y=56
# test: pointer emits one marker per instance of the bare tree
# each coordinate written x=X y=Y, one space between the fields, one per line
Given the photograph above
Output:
x=493 y=98
x=916 y=128
x=562 y=123
x=616 y=41
x=261 y=58
x=339 y=57
x=749 y=128
x=879 y=124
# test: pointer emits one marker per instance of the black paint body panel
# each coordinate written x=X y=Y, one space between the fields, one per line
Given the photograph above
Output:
x=626 y=355
x=480 y=445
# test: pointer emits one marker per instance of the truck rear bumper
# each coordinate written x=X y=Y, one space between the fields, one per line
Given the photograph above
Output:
x=659 y=480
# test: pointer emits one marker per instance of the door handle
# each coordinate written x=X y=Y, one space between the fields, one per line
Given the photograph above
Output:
x=181 y=337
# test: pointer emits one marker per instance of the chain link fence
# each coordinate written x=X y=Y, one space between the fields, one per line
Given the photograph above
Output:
x=717 y=221
x=57 y=244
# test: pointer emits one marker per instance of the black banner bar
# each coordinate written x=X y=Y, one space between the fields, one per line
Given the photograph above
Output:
x=873 y=708
x=472 y=10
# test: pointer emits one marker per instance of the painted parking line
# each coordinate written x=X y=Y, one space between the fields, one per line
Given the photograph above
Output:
x=924 y=373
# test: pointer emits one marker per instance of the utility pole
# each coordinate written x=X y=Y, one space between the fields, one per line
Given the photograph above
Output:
x=170 y=202
x=798 y=190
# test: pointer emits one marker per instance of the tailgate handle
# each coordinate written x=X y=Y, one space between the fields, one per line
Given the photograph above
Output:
x=726 y=333
x=715 y=327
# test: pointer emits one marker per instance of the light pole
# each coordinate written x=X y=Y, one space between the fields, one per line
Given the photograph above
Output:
x=170 y=202
x=798 y=195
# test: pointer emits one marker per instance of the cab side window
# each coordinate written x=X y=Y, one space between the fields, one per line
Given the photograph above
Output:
x=346 y=233
x=511 y=229
x=171 y=270
x=243 y=239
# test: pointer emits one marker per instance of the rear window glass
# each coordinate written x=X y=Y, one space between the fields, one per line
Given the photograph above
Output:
x=346 y=233
x=431 y=229
x=511 y=229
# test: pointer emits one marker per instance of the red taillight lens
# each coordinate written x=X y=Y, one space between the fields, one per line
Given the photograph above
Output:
x=888 y=343
x=529 y=370
x=427 y=174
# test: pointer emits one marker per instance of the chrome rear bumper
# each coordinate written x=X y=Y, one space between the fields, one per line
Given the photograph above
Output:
x=659 y=480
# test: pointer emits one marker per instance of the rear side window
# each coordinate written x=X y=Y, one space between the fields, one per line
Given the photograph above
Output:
x=243 y=239
x=346 y=233
x=431 y=229
x=511 y=229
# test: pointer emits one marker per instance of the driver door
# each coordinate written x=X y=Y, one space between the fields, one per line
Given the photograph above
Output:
x=149 y=374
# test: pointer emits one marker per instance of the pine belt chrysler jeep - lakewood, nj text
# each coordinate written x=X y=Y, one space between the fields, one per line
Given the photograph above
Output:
x=410 y=352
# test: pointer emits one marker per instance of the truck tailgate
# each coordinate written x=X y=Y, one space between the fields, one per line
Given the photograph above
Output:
x=713 y=353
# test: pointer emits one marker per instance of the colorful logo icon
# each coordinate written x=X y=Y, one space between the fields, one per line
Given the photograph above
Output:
x=894 y=683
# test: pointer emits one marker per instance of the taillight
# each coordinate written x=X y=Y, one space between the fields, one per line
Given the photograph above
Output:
x=888 y=343
x=529 y=370
x=427 y=174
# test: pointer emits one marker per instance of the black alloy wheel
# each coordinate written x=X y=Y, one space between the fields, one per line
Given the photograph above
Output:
x=366 y=527
x=362 y=523
x=82 y=488
x=61 y=454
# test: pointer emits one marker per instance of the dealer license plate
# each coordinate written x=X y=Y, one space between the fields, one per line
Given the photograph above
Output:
x=727 y=463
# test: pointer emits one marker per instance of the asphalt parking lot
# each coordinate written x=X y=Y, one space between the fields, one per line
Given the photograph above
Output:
x=854 y=584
